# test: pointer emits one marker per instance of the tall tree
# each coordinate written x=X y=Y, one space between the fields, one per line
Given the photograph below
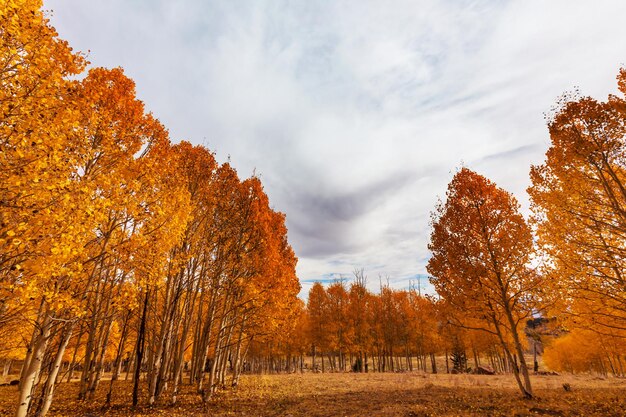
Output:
x=317 y=307
x=41 y=219
x=579 y=202
x=480 y=247
x=360 y=318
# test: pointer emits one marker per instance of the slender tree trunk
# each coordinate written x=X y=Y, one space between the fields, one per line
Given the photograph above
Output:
x=407 y=358
x=131 y=362
x=93 y=333
x=48 y=391
x=237 y=368
x=98 y=363
x=140 y=348
x=621 y=366
x=41 y=317
x=33 y=366
x=118 y=357
x=476 y=361
x=206 y=338
x=527 y=391
x=219 y=352
x=433 y=362
x=70 y=369
x=523 y=386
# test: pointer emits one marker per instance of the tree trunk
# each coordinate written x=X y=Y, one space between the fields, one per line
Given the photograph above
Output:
x=433 y=362
x=48 y=391
x=139 y=350
x=525 y=385
x=523 y=368
x=33 y=366
x=118 y=357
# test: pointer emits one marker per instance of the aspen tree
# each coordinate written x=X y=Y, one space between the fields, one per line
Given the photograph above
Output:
x=480 y=247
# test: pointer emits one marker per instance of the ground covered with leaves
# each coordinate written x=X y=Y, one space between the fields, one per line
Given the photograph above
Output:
x=347 y=394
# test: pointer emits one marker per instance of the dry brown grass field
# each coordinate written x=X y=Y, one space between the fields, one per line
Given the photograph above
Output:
x=373 y=394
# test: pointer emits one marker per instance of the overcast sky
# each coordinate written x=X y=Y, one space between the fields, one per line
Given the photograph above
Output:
x=356 y=114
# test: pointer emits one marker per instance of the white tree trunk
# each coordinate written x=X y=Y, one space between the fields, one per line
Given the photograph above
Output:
x=48 y=391
x=32 y=368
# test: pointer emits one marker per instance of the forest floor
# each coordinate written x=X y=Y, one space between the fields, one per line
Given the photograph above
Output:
x=348 y=394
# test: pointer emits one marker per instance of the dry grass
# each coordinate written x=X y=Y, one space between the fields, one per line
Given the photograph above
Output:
x=347 y=394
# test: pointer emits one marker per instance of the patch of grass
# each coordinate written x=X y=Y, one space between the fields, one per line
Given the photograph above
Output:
x=347 y=394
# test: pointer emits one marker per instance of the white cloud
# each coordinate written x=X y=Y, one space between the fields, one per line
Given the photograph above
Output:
x=355 y=113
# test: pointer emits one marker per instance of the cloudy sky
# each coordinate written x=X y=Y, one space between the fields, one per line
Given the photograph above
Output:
x=356 y=114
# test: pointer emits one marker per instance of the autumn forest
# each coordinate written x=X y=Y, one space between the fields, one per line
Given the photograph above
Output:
x=138 y=274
